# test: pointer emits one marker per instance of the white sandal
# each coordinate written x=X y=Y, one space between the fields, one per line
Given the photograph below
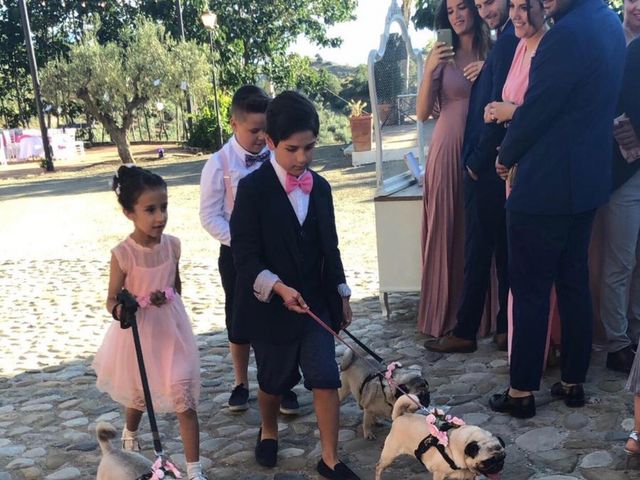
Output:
x=636 y=438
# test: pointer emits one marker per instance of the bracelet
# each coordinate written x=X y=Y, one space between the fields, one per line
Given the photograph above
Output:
x=113 y=312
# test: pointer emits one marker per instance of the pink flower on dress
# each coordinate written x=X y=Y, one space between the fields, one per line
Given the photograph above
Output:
x=157 y=298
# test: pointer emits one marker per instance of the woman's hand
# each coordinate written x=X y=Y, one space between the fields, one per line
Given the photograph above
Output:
x=347 y=314
x=472 y=70
x=501 y=170
x=499 y=112
x=440 y=53
x=291 y=298
x=625 y=135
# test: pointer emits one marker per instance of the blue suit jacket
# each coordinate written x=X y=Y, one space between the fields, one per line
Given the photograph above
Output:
x=481 y=140
x=561 y=136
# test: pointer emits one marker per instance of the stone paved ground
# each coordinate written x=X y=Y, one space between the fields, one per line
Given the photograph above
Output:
x=56 y=232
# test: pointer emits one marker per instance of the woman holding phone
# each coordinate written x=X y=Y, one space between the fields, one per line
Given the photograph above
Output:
x=449 y=71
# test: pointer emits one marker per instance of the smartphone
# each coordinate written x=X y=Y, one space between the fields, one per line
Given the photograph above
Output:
x=444 y=35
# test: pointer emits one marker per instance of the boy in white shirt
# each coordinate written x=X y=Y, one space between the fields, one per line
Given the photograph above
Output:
x=242 y=154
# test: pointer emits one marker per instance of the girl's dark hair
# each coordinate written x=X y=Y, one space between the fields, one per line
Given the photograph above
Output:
x=481 y=38
x=131 y=181
x=289 y=113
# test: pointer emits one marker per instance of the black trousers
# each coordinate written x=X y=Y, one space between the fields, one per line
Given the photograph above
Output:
x=544 y=249
x=228 y=277
x=485 y=237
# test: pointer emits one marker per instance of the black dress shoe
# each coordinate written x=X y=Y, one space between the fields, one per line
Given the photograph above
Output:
x=266 y=451
x=524 y=407
x=622 y=360
x=573 y=395
x=339 y=472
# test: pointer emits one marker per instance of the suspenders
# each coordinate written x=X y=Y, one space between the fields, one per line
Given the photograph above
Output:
x=226 y=176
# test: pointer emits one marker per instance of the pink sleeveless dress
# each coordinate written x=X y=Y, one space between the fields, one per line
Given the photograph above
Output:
x=168 y=345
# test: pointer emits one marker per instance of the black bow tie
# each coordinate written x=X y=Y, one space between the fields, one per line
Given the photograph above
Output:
x=251 y=160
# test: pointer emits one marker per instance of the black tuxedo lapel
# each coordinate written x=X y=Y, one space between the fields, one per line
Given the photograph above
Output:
x=286 y=220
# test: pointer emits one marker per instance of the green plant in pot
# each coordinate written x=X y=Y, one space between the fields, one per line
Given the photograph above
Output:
x=360 y=122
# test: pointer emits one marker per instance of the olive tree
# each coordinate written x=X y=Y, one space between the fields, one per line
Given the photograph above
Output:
x=114 y=80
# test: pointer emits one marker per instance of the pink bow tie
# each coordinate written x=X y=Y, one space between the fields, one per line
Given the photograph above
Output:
x=304 y=183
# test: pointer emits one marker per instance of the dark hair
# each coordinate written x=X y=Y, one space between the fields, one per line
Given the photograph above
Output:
x=131 y=181
x=289 y=113
x=481 y=39
x=249 y=99
x=528 y=4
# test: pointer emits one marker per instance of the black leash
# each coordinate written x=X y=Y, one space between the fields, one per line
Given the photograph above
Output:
x=128 y=319
x=364 y=347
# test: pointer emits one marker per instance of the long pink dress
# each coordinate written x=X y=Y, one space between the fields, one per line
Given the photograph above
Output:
x=443 y=199
x=514 y=91
x=168 y=345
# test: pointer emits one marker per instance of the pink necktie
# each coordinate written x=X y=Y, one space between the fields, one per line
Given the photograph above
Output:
x=304 y=183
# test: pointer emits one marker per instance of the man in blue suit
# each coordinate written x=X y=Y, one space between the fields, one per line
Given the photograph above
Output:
x=560 y=142
x=484 y=192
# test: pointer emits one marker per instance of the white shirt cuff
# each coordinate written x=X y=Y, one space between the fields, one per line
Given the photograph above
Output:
x=344 y=291
x=263 y=285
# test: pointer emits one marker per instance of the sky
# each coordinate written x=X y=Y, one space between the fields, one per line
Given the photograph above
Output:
x=359 y=36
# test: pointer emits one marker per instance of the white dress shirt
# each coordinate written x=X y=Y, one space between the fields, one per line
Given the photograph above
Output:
x=215 y=209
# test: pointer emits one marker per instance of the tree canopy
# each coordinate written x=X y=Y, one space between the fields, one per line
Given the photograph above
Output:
x=115 y=79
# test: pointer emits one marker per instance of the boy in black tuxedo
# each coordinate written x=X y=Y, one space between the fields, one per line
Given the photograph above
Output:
x=285 y=249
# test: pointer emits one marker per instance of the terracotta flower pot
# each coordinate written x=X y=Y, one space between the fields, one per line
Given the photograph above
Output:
x=361 y=133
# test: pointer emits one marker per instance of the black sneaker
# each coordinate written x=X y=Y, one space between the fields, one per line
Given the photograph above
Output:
x=339 y=472
x=239 y=399
x=573 y=395
x=289 y=404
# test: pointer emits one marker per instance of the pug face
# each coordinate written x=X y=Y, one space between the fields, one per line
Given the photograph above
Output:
x=410 y=380
x=484 y=454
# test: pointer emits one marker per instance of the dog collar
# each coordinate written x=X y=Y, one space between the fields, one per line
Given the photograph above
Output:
x=426 y=444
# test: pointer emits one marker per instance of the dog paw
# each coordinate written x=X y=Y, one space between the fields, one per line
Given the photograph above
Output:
x=369 y=436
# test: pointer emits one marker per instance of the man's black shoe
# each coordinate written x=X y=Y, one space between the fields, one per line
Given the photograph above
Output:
x=524 y=407
x=266 y=451
x=622 y=360
x=573 y=395
x=339 y=472
x=289 y=404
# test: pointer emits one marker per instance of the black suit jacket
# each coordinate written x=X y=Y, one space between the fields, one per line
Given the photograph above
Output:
x=264 y=235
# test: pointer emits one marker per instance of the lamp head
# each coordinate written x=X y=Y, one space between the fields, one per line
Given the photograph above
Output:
x=209 y=20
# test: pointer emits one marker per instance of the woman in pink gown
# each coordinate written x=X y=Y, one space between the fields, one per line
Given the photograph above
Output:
x=528 y=20
x=445 y=89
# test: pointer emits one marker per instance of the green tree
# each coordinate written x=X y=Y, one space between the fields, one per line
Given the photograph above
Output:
x=114 y=80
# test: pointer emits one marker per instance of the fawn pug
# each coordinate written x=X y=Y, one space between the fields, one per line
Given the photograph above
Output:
x=471 y=451
x=373 y=393
x=118 y=464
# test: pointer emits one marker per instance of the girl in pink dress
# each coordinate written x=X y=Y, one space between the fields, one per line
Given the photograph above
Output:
x=529 y=24
x=146 y=264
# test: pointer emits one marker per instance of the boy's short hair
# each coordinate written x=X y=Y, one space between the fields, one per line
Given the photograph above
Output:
x=249 y=99
x=289 y=113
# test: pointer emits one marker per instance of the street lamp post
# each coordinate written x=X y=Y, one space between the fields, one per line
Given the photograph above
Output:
x=182 y=36
x=33 y=66
x=209 y=20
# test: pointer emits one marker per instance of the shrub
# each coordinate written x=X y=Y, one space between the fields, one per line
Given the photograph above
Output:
x=204 y=133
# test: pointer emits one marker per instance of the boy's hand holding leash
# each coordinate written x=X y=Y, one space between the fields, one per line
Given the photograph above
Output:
x=293 y=301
